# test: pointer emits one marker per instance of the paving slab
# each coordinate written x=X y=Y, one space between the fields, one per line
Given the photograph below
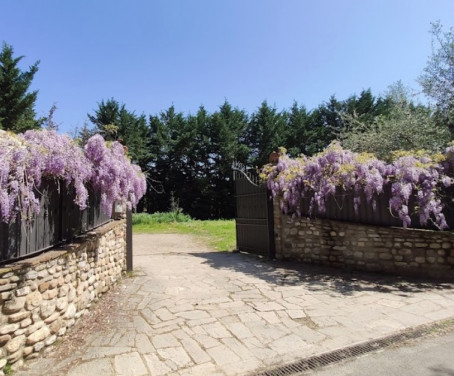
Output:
x=190 y=310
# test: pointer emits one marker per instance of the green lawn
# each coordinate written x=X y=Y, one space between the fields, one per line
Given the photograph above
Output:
x=219 y=234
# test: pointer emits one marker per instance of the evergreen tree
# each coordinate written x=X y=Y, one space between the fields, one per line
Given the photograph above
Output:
x=299 y=136
x=17 y=112
x=228 y=144
x=169 y=144
x=266 y=133
x=114 y=122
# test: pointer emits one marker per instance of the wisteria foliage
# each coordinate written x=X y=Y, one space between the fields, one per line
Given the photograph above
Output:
x=27 y=159
x=415 y=175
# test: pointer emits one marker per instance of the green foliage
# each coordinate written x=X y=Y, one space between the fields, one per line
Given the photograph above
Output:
x=437 y=80
x=406 y=127
x=218 y=234
x=192 y=158
x=114 y=122
x=266 y=132
x=145 y=219
x=17 y=112
x=7 y=370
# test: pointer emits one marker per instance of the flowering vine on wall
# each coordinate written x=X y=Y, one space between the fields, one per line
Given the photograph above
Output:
x=26 y=159
x=417 y=175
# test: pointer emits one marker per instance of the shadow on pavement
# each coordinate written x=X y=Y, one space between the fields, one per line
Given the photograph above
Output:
x=316 y=278
x=442 y=371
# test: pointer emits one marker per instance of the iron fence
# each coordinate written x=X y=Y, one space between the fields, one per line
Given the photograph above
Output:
x=58 y=221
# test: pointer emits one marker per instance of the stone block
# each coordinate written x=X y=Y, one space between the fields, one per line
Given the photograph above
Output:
x=26 y=323
x=38 y=346
x=14 y=305
x=4 y=339
x=420 y=245
x=47 y=308
x=31 y=275
x=19 y=316
x=62 y=303
x=70 y=311
x=9 y=328
x=14 y=357
x=56 y=325
x=15 y=344
x=33 y=300
x=33 y=328
x=50 y=294
x=8 y=287
x=23 y=291
x=38 y=336
x=27 y=351
x=49 y=341
x=43 y=286
x=54 y=316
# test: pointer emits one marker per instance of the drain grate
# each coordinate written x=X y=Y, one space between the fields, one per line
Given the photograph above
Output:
x=335 y=356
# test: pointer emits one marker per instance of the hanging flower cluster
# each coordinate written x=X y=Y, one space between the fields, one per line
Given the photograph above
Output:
x=317 y=178
x=113 y=174
x=26 y=159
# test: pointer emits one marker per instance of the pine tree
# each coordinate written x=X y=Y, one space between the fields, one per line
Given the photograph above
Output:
x=17 y=112
x=115 y=123
x=266 y=133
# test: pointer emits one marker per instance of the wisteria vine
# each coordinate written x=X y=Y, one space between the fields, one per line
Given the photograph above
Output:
x=317 y=178
x=27 y=159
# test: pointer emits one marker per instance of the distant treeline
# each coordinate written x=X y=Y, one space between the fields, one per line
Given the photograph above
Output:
x=188 y=158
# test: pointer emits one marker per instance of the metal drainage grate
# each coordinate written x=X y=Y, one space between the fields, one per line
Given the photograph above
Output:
x=325 y=359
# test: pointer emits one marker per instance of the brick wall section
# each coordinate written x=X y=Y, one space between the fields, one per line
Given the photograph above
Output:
x=43 y=296
x=419 y=253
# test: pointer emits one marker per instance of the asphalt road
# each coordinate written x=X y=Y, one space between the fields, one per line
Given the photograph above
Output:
x=432 y=356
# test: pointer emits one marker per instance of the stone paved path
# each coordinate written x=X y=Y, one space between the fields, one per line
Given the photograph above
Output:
x=193 y=311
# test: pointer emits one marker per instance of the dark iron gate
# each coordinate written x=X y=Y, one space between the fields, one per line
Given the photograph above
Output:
x=254 y=214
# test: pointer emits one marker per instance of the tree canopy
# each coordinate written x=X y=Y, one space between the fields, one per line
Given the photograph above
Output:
x=17 y=111
x=437 y=80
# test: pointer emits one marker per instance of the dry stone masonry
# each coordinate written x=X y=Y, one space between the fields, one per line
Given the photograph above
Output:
x=43 y=296
x=411 y=252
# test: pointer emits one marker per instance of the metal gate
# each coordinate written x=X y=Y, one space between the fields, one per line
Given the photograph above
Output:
x=254 y=214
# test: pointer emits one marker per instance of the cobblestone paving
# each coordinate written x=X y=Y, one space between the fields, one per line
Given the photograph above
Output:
x=193 y=311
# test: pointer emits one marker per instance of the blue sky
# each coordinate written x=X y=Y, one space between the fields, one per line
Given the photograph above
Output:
x=151 y=54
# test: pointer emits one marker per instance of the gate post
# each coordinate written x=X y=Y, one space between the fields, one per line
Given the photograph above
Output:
x=271 y=235
x=129 y=265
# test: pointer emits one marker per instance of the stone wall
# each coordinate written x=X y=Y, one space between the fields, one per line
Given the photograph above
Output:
x=419 y=253
x=43 y=296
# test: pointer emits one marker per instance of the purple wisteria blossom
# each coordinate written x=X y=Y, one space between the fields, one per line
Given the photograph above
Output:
x=337 y=170
x=27 y=159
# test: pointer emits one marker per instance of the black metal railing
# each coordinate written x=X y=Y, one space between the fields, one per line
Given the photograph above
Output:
x=58 y=221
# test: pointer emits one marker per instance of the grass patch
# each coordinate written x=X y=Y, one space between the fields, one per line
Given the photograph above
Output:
x=150 y=219
x=218 y=234
x=7 y=370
